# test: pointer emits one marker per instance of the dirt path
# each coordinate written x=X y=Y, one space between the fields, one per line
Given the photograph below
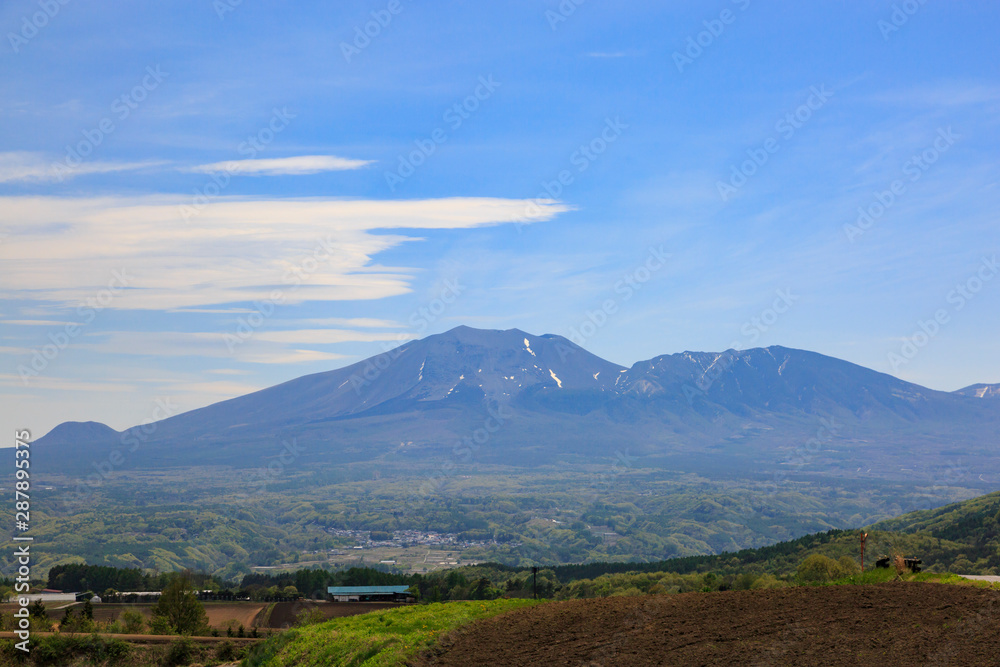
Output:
x=981 y=577
x=887 y=624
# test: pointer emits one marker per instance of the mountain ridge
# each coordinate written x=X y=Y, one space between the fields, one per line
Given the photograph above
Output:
x=566 y=404
x=981 y=390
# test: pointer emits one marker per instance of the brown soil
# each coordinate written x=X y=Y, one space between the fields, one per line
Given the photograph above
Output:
x=221 y=614
x=885 y=624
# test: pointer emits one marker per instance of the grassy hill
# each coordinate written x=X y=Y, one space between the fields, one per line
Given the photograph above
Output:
x=380 y=638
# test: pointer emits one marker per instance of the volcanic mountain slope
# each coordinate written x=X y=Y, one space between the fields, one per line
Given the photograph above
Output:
x=981 y=390
x=432 y=389
x=556 y=402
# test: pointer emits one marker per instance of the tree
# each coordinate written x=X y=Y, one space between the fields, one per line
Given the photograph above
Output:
x=133 y=622
x=179 y=606
x=848 y=566
x=73 y=623
x=37 y=609
x=817 y=568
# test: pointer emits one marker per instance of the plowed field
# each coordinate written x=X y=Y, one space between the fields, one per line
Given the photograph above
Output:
x=884 y=624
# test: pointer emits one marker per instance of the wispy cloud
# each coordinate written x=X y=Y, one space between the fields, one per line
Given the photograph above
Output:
x=943 y=94
x=264 y=347
x=325 y=336
x=65 y=384
x=362 y=322
x=24 y=166
x=37 y=323
x=288 y=166
x=63 y=250
x=288 y=357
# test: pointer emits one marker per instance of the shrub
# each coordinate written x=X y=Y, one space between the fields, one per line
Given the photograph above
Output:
x=62 y=649
x=160 y=625
x=226 y=651
x=817 y=568
x=73 y=623
x=766 y=581
x=179 y=653
x=310 y=616
x=133 y=622
x=848 y=566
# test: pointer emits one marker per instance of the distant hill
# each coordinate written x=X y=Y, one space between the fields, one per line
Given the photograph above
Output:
x=80 y=434
x=961 y=537
x=533 y=400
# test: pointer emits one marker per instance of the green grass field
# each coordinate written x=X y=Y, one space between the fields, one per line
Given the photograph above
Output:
x=882 y=575
x=375 y=639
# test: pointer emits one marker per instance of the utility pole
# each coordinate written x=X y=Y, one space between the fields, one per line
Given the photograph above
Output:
x=534 y=582
x=864 y=536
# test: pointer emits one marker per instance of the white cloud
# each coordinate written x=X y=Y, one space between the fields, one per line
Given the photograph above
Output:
x=327 y=336
x=65 y=250
x=212 y=390
x=363 y=322
x=261 y=347
x=37 y=323
x=212 y=311
x=288 y=357
x=299 y=165
x=23 y=166
x=63 y=384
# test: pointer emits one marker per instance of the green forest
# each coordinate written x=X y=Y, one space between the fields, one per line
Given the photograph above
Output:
x=188 y=519
x=962 y=537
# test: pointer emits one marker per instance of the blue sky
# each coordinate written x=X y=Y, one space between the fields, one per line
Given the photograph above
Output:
x=163 y=168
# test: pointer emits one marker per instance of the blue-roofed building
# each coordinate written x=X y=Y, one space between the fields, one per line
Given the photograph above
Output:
x=370 y=593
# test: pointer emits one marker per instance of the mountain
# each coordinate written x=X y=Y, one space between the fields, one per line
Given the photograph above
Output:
x=541 y=400
x=981 y=391
x=78 y=434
